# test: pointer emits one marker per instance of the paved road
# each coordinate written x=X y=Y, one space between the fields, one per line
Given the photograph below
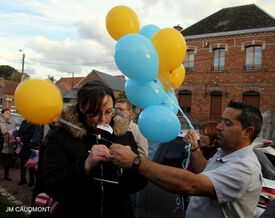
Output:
x=23 y=192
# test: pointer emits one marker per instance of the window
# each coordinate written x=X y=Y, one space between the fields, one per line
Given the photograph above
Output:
x=12 y=103
x=185 y=101
x=253 y=57
x=189 y=61
x=1 y=101
x=219 y=54
x=252 y=98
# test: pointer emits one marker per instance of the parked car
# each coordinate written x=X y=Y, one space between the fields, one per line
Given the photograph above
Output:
x=17 y=118
x=155 y=202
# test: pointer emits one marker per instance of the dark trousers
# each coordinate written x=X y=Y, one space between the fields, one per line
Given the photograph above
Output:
x=7 y=163
x=134 y=198
x=23 y=159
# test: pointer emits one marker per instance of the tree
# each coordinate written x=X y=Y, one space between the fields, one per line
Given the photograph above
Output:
x=51 y=78
x=17 y=77
x=7 y=72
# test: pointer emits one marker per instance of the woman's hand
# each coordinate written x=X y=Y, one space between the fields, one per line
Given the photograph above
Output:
x=98 y=153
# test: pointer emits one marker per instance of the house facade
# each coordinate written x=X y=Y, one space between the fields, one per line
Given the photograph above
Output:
x=7 y=90
x=116 y=83
x=230 y=56
x=65 y=84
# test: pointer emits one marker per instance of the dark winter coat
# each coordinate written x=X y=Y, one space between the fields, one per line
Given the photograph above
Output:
x=65 y=180
x=1 y=140
x=26 y=133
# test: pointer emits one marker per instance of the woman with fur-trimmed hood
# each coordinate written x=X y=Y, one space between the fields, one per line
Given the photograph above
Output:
x=78 y=171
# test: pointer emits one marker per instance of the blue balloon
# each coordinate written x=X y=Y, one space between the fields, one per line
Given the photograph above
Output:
x=136 y=57
x=149 y=31
x=170 y=101
x=159 y=124
x=144 y=94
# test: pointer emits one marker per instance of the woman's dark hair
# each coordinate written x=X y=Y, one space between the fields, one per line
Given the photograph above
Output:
x=249 y=116
x=210 y=128
x=90 y=96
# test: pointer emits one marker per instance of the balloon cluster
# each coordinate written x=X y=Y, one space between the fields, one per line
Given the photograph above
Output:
x=152 y=59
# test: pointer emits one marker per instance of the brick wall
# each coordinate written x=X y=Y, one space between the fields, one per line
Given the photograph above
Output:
x=234 y=80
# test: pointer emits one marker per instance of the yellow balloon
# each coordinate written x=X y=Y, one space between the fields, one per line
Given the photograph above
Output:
x=165 y=78
x=38 y=101
x=120 y=21
x=171 y=48
x=177 y=77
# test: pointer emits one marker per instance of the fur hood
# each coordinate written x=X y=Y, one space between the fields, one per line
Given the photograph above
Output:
x=119 y=123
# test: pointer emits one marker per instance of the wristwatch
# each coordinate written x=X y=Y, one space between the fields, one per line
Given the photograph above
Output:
x=136 y=162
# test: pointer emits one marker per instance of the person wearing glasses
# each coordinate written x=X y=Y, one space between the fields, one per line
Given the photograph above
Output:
x=78 y=171
x=125 y=106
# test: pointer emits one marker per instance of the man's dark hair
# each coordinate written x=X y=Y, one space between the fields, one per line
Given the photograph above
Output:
x=91 y=95
x=4 y=110
x=125 y=100
x=249 y=116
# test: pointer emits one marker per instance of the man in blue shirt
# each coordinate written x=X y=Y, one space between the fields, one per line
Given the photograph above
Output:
x=229 y=184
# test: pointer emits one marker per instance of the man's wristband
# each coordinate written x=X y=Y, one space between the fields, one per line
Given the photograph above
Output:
x=194 y=149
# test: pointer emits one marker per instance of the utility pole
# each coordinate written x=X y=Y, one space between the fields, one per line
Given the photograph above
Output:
x=73 y=80
x=23 y=63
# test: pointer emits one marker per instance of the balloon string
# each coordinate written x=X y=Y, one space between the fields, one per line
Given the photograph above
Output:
x=71 y=125
x=176 y=105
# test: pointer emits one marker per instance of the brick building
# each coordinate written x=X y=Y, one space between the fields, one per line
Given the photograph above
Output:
x=7 y=90
x=65 y=84
x=230 y=56
x=116 y=83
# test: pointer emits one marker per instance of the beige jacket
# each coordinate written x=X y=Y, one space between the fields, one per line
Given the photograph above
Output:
x=5 y=126
x=141 y=141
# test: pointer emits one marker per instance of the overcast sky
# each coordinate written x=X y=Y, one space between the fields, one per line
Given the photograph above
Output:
x=59 y=37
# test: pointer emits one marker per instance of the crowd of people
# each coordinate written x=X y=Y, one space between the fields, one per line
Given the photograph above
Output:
x=98 y=168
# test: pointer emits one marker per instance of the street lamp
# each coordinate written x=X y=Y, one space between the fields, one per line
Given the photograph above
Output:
x=23 y=62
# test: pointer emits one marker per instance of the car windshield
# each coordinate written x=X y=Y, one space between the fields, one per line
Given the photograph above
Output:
x=267 y=163
x=17 y=119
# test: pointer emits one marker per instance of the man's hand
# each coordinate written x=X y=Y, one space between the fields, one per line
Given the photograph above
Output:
x=122 y=156
x=191 y=135
x=98 y=153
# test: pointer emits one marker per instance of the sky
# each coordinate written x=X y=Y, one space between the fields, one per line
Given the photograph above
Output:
x=61 y=37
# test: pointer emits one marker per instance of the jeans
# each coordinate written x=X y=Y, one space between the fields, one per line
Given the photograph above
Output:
x=134 y=199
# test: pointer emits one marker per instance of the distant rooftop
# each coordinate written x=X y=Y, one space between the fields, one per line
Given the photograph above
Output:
x=115 y=83
x=232 y=19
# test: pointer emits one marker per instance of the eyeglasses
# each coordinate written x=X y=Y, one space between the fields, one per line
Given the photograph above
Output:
x=107 y=113
x=121 y=109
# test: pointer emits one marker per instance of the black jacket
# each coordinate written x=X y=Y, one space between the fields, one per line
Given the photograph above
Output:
x=65 y=180
x=1 y=140
x=26 y=133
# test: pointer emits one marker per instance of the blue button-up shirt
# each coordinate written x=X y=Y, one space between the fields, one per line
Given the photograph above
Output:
x=237 y=180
